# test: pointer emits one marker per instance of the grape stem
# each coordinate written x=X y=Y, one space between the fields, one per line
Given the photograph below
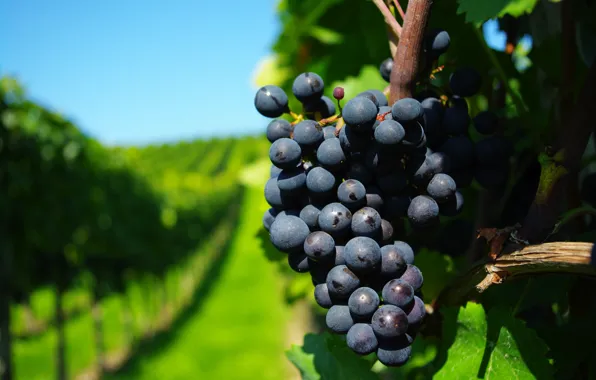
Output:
x=558 y=257
x=399 y=9
x=409 y=48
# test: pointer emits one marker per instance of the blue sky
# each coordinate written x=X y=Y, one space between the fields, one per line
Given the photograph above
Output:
x=137 y=71
x=140 y=71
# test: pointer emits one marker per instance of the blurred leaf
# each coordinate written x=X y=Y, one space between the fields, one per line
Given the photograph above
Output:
x=327 y=357
x=494 y=346
x=326 y=36
x=257 y=174
x=269 y=71
x=368 y=78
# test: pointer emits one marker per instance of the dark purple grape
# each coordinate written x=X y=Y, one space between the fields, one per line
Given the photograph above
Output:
x=363 y=255
x=330 y=154
x=322 y=296
x=310 y=215
x=389 y=321
x=308 y=134
x=393 y=264
x=288 y=233
x=398 y=292
x=285 y=153
x=341 y=282
x=352 y=194
x=269 y=217
x=453 y=206
x=366 y=222
x=361 y=339
x=465 y=82
x=271 y=101
x=386 y=232
x=335 y=219
x=360 y=113
x=363 y=302
x=277 y=129
x=405 y=251
x=416 y=312
x=385 y=69
x=423 y=212
x=486 y=122
x=308 y=87
x=441 y=187
x=298 y=262
x=413 y=276
x=319 y=109
x=407 y=110
x=395 y=352
x=338 y=319
x=319 y=246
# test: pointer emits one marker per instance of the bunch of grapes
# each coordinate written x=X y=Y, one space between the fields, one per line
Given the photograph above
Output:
x=340 y=187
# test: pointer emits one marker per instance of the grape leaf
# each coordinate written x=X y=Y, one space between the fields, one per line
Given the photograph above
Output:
x=494 y=346
x=480 y=11
x=327 y=357
x=438 y=270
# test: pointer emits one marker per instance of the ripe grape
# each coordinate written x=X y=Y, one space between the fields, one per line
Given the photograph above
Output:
x=271 y=101
x=361 y=339
x=308 y=87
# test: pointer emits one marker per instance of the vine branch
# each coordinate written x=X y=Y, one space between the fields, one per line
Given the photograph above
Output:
x=406 y=59
x=557 y=257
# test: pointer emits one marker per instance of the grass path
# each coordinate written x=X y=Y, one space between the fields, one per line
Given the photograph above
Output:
x=239 y=330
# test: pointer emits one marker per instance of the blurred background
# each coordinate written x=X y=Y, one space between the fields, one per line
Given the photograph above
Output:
x=132 y=171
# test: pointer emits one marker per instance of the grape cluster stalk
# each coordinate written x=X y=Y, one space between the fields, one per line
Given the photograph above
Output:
x=343 y=184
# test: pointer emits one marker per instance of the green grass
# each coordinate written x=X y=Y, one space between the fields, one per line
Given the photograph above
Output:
x=238 y=329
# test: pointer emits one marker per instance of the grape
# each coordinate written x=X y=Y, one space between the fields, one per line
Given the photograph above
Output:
x=320 y=109
x=491 y=177
x=413 y=276
x=298 y=262
x=389 y=321
x=398 y=292
x=335 y=219
x=460 y=150
x=405 y=251
x=455 y=121
x=437 y=42
x=268 y=218
x=329 y=132
x=310 y=215
x=308 y=134
x=417 y=312
x=389 y=133
x=322 y=296
x=288 y=233
x=341 y=282
x=441 y=187
x=308 y=87
x=366 y=222
x=462 y=177
x=486 y=122
x=363 y=254
x=386 y=231
x=285 y=153
x=423 y=212
x=385 y=69
x=361 y=339
x=433 y=117
x=319 y=245
x=395 y=353
x=292 y=180
x=393 y=263
x=465 y=82
x=453 y=206
x=320 y=181
x=352 y=194
x=271 y=101
x=338 y=319
x=407 y=110
x=277 y=129
x=414 y=137
x=420 y=169
x=330 y=154
x=363 y=302
x=360 y=113
x=338 y=93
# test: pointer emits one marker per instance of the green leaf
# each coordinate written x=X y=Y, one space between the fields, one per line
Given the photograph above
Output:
x=327 y=357
x=326 y=35
x=495 y=346
x=368 y=78
x=480 y=11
